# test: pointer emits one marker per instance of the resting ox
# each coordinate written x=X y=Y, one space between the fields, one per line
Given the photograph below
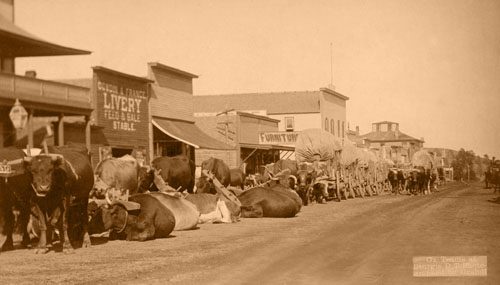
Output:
x=268 y=202
x=14 y=193
x=153 y=220
x=62 y=183
x=215 y=208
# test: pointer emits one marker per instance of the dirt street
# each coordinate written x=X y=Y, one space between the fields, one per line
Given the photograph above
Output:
x=360 y=241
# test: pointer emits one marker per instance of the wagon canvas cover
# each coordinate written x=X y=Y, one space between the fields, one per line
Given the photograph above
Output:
x=316 y=144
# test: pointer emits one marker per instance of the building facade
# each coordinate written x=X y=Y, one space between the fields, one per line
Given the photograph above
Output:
x=42 y=99
x=390 y=142
x=242 y=131
x=294 y=111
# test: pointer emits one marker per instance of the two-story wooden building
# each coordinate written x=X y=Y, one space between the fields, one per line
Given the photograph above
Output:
x=41 y=98
x=292 y=112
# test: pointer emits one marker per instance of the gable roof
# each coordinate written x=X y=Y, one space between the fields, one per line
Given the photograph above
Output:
x=274 y=103
x=388 y=136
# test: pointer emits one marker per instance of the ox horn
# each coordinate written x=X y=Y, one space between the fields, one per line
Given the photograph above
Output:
x=106 y=197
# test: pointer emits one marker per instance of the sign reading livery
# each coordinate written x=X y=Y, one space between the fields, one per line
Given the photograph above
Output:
x=123 y=107
x=278 y=138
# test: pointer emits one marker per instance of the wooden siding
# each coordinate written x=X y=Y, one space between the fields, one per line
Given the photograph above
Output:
x=173 y=81
x=172 y=104
x=230 y=157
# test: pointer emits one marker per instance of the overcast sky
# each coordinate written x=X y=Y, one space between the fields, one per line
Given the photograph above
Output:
x=431 y=65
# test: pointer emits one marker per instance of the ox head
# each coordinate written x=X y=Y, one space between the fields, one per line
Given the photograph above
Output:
x=304 y=179
x=205 y=185
x=115 y=216
x=145 y=179
x=47 y=172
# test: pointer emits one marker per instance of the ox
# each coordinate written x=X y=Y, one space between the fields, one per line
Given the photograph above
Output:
x=237 y=178
x=213 y=208
x=177 y=172
x=265 y=202
x=220 y=171
x=186 y=214
x=15 y=193
x=153 y=220
x=116 y=173
x=62 y=183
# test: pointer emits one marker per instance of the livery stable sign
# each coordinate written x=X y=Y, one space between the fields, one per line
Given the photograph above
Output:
x=278 y=138
x=122 y=104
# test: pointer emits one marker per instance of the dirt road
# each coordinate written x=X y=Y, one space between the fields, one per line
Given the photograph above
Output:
x=360 y=241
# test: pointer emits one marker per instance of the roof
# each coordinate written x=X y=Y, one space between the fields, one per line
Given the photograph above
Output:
x=273 y=103
x=385 y=122
x=17 y=42
x=172 y=69
x=188 y=133
x=389 y=136
x=82 y=82
x=335 y=93
x=250 y=115
x=118 y=73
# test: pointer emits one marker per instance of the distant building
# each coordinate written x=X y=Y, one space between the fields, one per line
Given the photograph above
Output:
x=390 y=142
x=295 y=111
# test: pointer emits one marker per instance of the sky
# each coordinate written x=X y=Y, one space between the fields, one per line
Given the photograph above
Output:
x=431 y=65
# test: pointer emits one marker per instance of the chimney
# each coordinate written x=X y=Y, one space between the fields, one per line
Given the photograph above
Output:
x=357 y=130
x=30 y=73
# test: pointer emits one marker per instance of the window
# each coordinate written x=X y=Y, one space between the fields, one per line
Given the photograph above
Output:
x=289 y=126
x=326 y=124
x=332 y=126
x=338 y=128
x=343 y=129
x=384 y=127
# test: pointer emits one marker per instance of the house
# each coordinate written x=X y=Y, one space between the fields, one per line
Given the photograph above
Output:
x=390 y=142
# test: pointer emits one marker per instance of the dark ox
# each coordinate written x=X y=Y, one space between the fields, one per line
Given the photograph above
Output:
x=62 y=183
x=267 y=202
x=219 y=169
x=153 y=220
x=176 y=171
x=15 y=193
x=237 y=178
x=303 y=187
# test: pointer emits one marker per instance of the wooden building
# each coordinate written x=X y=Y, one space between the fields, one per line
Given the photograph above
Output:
x=242 y=131
x=41 y=98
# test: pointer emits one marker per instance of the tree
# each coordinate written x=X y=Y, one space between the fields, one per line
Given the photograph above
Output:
x=463 y=165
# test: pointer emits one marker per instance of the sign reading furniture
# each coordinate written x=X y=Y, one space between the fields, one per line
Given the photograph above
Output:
x=278 y=138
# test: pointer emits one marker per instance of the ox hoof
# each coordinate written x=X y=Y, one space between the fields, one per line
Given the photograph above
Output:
x=42 y=250
x=68 y=250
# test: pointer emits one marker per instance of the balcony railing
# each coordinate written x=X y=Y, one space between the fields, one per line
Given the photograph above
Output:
x=44 y=91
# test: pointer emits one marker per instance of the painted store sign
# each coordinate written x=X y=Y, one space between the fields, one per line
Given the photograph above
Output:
x=121 y=107
x=278 y=138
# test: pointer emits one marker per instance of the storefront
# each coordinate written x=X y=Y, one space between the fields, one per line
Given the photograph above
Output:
x=243 y=132
x=121 y=115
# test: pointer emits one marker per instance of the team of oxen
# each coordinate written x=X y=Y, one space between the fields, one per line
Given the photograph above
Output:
x=58 y=195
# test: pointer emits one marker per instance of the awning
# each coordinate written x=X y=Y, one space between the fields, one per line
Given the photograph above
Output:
x=16 y=42
x=188 y=133
x=267 y=146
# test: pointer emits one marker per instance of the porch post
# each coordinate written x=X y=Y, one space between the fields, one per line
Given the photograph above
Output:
x=30 y=128
x=60 y=130
x=87 y=132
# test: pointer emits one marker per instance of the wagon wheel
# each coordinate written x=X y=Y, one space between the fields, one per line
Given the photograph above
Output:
x=351 y=191
x=360 y=190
